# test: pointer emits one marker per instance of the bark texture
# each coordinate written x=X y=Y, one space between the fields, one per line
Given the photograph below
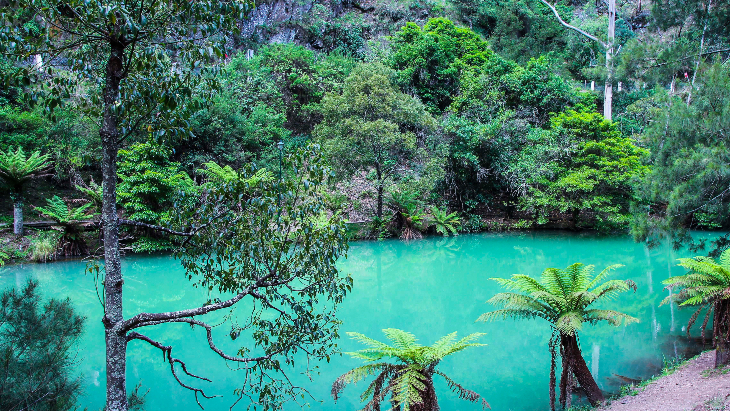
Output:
x=582 y=373
x=116 y=343
x=721 y=332
x=608 y=90
x=18 y=217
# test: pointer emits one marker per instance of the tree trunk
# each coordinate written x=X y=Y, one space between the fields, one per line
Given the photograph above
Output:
x=379 y=174
x=430 y=403
x=582 y=374
x=564 y=380
x=721 y=332
x=608 y=90
x=699 y=55
x=116 y=345
x=18 y=217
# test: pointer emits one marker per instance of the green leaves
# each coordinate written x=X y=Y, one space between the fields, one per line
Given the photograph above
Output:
x=582 y=164
x=16 y=169
x=274 y=240
x=562 y=297
x=58 y=211
x=410 y=379
x=707 y=282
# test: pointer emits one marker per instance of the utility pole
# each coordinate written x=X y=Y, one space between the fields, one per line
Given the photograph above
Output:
x=608 y=46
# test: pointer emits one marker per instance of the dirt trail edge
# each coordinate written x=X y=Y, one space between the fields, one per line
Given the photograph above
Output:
x=693 y=387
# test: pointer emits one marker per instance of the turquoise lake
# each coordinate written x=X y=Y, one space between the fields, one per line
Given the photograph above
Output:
x=429 y=287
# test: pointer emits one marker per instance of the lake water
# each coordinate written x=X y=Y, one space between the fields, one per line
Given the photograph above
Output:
x=429 y=287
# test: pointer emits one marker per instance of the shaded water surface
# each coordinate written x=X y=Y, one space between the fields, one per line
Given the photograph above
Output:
x=429 y=287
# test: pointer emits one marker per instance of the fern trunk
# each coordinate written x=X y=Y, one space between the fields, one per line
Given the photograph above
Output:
x=721 y=332
x=430 y=403
x=18 y=218
x=582 y=373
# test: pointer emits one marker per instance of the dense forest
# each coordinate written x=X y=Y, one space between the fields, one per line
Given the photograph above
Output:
x=493 y=110
x=252 y=141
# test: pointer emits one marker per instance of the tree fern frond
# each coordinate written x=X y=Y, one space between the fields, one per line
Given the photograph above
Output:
x=463 y=393
x=407 y=389
x=605 y=273
x=613 y=317
x=510 y=313
x=570 y=322
x=368 y=341
x=401 y=339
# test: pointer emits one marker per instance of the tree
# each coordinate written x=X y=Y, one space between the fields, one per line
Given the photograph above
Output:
x=142 y=61
x=582 y=164
x=607 y=45
x=372 y=126
x=429 y=61
x=687 y=186
x=444 y=222
x=409 y=381
x=707 y=285
x=562 y=297
x=16 y=170
x=151 y=184
x=71 y=243
x=36 y=346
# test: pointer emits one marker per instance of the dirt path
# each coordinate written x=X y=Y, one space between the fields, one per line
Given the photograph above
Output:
x=684 y=390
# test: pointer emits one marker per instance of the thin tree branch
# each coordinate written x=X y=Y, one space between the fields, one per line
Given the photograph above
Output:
x=167 y=354
x=583 y=32
x=153 y=227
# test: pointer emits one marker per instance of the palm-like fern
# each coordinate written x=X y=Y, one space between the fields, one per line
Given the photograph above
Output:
x=94 y=192
x=16 y=169
x=563 y=298
x=708 y=286
x=444 y=222
x=71 y=242
x=226 y=174
x=408 y=381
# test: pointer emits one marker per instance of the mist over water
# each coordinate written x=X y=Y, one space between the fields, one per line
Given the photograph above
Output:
x=429 y=287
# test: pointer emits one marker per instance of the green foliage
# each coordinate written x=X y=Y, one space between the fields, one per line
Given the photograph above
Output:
x=16 y=169
x=36 y=342
x=43 y=247
x=372 y=126
x=270 y=242
x=409 y=380
x=58 y=211
x=71 y=242
x=152 y=185
x=429 y=60
x=707 y=283
x=93 y=192
x=582 y=164
x=687 y=185
x=561 y=297
x=444 y=222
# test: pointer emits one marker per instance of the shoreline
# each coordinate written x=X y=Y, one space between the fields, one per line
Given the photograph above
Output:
x=693 y=385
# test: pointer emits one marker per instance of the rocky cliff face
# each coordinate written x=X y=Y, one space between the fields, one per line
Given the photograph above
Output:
x=330 y=24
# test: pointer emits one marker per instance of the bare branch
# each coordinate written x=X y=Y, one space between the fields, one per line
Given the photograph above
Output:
x=153 y=227
x=143 y=319
x=167 y=354
x=583 y=32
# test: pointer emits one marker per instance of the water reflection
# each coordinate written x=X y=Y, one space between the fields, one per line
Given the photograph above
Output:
x=431 y=288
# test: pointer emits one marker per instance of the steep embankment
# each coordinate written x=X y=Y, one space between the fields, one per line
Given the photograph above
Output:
x=695 y=386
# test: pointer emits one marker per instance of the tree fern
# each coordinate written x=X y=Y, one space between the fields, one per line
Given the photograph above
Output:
x=58 y=211
x=71 y=242
x=707 y=285
x=16 y=169
x=444 y=222
x=408 y=381
x=562 y=297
